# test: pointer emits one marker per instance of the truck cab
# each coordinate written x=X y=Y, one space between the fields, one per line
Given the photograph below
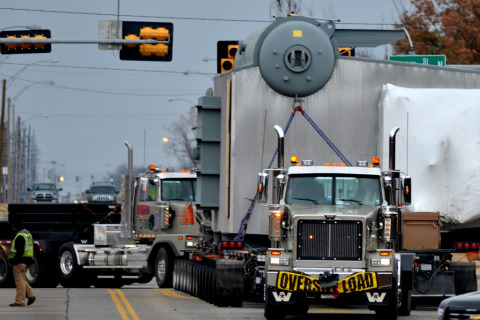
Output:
x=164 y=202
x=334 y=233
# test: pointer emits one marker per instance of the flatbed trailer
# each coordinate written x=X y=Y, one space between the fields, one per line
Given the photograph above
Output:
x=51 y=226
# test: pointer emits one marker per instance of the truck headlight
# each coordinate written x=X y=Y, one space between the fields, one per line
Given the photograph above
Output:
x=280 y=261
x=380 y=262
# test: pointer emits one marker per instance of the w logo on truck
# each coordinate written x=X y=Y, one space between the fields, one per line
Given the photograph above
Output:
x=281 y=296
x=376 y=297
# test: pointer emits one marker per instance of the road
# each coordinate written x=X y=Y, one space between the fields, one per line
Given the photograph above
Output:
x=145 y=302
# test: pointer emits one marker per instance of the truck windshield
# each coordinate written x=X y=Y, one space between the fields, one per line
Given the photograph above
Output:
x=333 y=189
x=103 y=189
x=178 y=190
x=44 y=186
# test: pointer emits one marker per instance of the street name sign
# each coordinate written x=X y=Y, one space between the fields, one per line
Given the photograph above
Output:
x=432 y=60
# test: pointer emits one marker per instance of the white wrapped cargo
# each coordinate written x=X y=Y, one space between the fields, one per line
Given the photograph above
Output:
x=438 y=145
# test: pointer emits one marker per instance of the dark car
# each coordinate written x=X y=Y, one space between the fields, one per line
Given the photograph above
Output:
x=464 y=306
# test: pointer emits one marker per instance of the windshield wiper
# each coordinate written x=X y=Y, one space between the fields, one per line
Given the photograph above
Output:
x=305 y=199
x=352 y=200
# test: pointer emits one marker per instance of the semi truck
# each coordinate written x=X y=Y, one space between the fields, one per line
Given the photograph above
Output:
x=334 y=232
x=108 y=244
x=332 y=109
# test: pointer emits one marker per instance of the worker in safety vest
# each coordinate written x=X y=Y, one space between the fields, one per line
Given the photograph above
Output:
x=21 y=255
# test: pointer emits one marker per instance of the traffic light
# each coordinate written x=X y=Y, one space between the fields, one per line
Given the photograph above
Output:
x=61 y=178
x=161 y=31
x=347 y=51
x=226 y=51
x=17 y=48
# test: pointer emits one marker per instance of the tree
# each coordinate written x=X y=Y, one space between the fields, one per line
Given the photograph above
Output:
x=183 y=140
x=282 y=8
x=447 y=27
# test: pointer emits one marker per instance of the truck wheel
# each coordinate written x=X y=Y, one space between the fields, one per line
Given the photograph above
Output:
x=70 y=273
x=32 y=274
x=144 y=277
x=6 y=273
x=163 y=269
x=406 y=306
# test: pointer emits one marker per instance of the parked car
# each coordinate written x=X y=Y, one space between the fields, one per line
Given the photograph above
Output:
x=464 y=306
x=101 y=193
x=44 y=192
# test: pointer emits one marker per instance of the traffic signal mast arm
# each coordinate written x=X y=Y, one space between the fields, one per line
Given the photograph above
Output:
x=69 y=41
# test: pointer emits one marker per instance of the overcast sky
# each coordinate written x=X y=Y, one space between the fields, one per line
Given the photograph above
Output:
x=98 y=101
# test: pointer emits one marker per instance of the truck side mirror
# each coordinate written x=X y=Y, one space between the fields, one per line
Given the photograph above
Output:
x=262 y=187
x=407 y=190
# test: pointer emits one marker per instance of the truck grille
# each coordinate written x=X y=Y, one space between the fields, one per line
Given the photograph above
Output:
x=329 y=240
x=44 y=197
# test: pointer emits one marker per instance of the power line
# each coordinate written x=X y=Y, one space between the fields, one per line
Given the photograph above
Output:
x=186 y=72
x=182 y=18
x=135 y=16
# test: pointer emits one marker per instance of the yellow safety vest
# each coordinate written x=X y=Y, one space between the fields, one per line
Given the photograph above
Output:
x=28 y=252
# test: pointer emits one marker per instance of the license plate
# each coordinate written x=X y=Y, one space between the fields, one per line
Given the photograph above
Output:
x=291 y=281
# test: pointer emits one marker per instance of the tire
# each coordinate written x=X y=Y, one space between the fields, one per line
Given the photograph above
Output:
x=144 y=277
x=6 y=272
x=33 y=273
x=406 y=306
x=70 y=273
x=163 y=268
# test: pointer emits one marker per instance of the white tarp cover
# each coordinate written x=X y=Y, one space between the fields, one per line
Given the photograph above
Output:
x=438 y=145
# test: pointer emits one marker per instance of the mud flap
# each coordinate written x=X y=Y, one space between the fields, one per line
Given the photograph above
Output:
x=229 y=288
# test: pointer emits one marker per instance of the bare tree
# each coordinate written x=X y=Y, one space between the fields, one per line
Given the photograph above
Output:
x=183 y=140
x=282 y=8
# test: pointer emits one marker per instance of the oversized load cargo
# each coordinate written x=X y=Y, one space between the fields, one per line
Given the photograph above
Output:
x=438 y=145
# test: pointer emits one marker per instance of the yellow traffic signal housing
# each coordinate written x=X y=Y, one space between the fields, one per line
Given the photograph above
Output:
x=20 y=48
x=160 y=34
x=159 y=50
x=347 y=51
x=226 y=51
x=160 y=31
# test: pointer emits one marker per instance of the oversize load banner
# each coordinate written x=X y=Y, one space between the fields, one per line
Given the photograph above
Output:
x=289 y=281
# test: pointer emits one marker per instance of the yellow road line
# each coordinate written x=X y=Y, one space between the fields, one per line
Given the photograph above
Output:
x=127 y=304
x=118 y=304
x=120 y=308
x=173 y=294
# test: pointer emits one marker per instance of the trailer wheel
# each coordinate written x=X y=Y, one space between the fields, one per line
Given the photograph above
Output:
x=163 y=269
x=6 y=273
x=70 y=273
